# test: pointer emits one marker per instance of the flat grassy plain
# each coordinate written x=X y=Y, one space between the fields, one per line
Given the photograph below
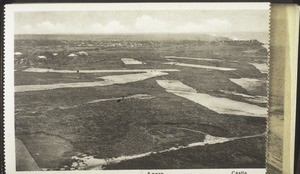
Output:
x=55 y=125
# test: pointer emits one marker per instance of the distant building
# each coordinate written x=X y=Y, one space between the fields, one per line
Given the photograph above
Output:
x=42 y=57
x=72 y=55
x=83 y=53
x=17 y=54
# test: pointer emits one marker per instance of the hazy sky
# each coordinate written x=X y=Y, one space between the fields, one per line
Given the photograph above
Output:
x=113 y=22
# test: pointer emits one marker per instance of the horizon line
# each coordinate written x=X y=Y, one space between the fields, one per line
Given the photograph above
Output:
x=136 y=33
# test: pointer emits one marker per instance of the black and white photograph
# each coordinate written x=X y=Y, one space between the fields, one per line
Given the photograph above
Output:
x=138 y=86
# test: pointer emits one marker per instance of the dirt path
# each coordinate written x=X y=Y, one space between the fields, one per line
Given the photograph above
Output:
x=136 y=96
x=24 y=160
x=200 y=66
x=249 y=84
x=92 y=163
x=251 y=98
x=217 y=104
x=44 y=70
x=130 y=61
x=262 y=67
x=108 y=80
x=191 y=58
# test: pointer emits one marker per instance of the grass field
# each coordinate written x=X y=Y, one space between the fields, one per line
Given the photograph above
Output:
x=56 y=125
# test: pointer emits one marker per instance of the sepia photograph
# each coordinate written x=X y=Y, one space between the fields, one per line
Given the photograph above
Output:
x=139 y=86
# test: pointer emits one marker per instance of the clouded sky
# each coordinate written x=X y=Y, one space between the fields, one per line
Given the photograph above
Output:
x=114 y=22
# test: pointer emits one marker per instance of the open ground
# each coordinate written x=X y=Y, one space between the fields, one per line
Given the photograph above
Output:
x=135 y=103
